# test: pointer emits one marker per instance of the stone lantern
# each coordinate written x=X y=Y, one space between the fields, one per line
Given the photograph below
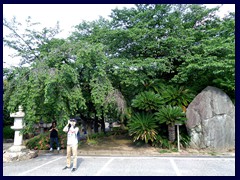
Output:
x=18 y=151
x=17 y=127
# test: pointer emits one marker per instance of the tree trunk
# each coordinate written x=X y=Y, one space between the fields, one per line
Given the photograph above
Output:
x=171 y=132
x=123 y=127
x=89 y=127
x=103 y=123
x=96 y=125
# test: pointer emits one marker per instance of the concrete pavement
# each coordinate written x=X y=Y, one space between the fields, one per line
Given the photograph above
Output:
x=124 y=162
x=51 y=165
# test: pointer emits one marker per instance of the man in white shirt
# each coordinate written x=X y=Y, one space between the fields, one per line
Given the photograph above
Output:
x=72 y=143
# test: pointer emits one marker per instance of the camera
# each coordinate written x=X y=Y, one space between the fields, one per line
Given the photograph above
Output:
x=69 y=125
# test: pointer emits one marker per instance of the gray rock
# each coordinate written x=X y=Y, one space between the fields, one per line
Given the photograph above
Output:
x=211 y=120
x=24 y=154
x=15 y=148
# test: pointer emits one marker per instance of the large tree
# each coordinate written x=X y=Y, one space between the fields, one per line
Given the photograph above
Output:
x=25 y=39
x=185 y=45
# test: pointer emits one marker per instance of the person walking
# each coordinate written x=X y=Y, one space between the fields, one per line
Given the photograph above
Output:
x=72 y=143
x=54 y=136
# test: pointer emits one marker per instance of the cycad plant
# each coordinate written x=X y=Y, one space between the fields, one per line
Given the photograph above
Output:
x=143 y=126
x=147 y=101
x=171 y=115
x=177 y=96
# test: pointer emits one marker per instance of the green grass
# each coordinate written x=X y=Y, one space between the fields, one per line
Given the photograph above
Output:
x=212 y=153
x=92 y=142
x=164 y=151
x=168 y=150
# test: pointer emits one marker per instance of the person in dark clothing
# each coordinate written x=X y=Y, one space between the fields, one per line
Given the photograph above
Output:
x=54 y=136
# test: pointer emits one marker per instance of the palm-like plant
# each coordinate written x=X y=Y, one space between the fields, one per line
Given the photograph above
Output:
x=147 y=101
x=143 y=126
x=177 y=96
x=171 y=115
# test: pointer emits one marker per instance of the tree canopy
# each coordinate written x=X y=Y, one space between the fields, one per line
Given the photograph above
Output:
x=98 y=70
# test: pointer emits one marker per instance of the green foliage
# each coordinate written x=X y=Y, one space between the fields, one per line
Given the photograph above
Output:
x=101 y=88
x=170 y=115
x=185 y=139
x=152 y=47
x=177 y=96
x=42 y=141
x=139 y=143
x=27 y=41
x=119 y=131
x=147 y=101
x=8 y=133
x=161 y=142
x=211 y=57
x=142 y=126
x=92 y=141
x=6 y=115
x=45 y=93
x=96 y=135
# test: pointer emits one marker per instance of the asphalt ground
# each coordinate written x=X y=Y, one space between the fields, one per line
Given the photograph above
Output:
x=51 y=164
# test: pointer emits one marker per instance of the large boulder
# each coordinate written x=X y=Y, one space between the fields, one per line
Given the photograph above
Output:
x=211 y=120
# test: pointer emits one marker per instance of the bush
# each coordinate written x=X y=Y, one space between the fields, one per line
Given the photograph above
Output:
x=42 y=141
x=8 y=133
x=97 y=135
x=118 y=131
x=39 y=142
x=161 y=142
x=184 y=139
x=143 y=127
x=139 y=143
x=92 y=142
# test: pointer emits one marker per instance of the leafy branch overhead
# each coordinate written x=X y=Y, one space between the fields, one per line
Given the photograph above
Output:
x=138 y=61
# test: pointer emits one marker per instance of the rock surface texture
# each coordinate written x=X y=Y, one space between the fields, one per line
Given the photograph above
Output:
x=24 y=154
x=211 y=120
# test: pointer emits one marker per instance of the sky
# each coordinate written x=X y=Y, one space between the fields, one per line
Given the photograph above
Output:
x=68 y=15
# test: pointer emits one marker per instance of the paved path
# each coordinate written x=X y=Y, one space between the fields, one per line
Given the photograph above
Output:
x=51 y=165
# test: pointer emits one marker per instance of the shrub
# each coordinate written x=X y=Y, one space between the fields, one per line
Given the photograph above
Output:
x=161 y=142
x=139 y=143
x=118 y=131
x=96 y=135
x=184 y=139
x=143 y=127
x=8 y=133
x=91 y=142
x=171 y=115
x=147 y=101
x=42 y=141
